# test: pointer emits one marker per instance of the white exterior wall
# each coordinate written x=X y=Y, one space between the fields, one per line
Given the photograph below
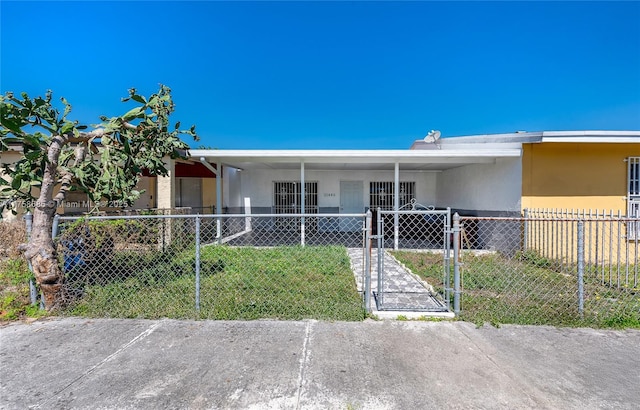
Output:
x=258 y=185
x=482 y=187
x=232 y=187
x=166 y=187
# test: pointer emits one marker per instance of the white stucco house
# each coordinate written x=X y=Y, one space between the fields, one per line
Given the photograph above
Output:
x=481 y=175
x=474 y=179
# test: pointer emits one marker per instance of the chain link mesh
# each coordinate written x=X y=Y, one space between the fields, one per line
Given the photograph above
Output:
x=549 y=271
x=215 y=267
x=533 y=270
x=417 y=229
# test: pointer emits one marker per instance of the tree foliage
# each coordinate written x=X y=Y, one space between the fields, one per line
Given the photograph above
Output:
x=105 y=162
x=60 y=155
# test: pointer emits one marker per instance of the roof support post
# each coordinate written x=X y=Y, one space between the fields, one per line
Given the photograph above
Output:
x=302 y=202
x=166 y=199
x=219 y=201
x=218 y=173
x=396 y=204
x=166 y=187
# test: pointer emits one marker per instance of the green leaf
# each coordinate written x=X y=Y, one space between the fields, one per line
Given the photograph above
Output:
x=127 y=147
x=138 y=98
x=67 y=106
x=68 y=126
x=32 y=141
x=134 y=113
x=11 y=124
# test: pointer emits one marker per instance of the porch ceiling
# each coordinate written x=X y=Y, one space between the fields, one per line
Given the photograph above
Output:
x=338 y=160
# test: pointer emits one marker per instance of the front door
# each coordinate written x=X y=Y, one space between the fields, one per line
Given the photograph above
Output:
x=351 y=202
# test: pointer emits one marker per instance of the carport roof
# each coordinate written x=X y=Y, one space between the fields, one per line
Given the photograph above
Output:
x=415 y=160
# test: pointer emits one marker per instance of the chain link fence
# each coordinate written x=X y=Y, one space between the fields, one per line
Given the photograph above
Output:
x=569 y=270
x=540 y=269
x=211 y=267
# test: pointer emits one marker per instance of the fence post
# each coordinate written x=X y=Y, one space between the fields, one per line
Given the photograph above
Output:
x=198 y=264
x=456 y=263
x=33 y=292
x=581 y=268
x=525 y=241
x=302 y=230
x=54 y=228
x=218 y=230
x=367 y=263
x=446 y=280
x=380 y=234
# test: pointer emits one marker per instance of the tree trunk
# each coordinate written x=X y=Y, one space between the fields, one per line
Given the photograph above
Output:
x=41 y=252
x=41 y=249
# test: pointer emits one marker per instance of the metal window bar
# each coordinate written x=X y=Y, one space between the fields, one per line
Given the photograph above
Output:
x=287 y=199
x=633 y=176
x=381 y=194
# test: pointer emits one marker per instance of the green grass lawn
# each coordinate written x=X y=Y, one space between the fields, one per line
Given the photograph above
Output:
x=525 y=290
x=14 y=290
x=235 y=283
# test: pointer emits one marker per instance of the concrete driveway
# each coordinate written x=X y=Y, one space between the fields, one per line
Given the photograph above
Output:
x=140 y=364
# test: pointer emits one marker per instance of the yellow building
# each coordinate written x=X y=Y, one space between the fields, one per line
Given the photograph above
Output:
x=562 y=177
x=586 y=172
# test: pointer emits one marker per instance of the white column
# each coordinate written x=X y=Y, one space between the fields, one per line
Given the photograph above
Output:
x=166 y=200
x=302 y=201
x=396 y=204
x=219 y=200
x=166 y=192
x=218 y=188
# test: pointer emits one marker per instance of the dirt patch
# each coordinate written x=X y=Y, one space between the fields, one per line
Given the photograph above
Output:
x=12 y=234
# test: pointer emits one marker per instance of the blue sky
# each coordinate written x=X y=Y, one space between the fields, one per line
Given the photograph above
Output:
x=335 y=75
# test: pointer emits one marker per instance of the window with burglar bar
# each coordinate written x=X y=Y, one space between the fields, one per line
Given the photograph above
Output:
x=287 y=199
x=382 y=194
x=633 y=197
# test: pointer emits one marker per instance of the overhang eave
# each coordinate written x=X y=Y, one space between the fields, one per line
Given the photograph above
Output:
x=353 y=160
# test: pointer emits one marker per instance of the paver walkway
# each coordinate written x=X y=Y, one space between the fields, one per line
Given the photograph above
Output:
x=402 y=291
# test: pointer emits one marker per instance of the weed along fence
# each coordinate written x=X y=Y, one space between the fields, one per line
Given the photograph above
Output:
x=213 y=266
x=559 y=269
x=607 y=242
x=540 y=269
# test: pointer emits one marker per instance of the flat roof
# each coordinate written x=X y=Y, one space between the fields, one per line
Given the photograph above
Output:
x=426 y=160
x=522 y=137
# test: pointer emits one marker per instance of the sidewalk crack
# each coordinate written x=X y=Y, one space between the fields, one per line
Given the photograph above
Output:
x=122 y=348
x=304 y=359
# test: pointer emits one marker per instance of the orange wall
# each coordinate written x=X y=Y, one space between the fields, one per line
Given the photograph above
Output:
x=576 y=175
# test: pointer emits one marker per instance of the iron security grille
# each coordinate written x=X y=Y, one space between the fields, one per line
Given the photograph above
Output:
x=287 y=199
x=633 y=196
x=381 y=194
x=633 y=176
x=633 y=228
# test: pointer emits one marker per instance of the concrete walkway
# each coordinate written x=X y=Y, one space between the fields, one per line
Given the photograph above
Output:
x=404 y=293
x=166 y=364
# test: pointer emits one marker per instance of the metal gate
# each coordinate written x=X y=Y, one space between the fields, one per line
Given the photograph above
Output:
x=420 y=229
